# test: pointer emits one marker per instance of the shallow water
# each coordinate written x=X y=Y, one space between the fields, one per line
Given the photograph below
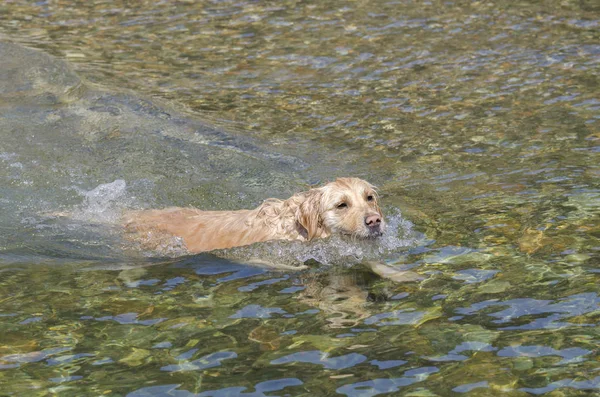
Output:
x=477 y=121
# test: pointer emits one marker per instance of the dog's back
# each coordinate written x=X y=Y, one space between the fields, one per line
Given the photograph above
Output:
x=201 y=231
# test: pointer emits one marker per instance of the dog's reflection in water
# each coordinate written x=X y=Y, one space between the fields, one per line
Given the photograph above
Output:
x=341 y=295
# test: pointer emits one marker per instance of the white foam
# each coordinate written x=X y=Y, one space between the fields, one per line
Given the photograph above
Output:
x=399 y=235
x=104 y=203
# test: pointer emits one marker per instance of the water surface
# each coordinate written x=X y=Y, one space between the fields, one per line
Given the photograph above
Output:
x=477 y=121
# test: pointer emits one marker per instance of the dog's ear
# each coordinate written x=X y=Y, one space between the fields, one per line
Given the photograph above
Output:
x=308 y=214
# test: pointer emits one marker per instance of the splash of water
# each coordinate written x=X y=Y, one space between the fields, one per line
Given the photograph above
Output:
x=399 y=235
x=104 y=203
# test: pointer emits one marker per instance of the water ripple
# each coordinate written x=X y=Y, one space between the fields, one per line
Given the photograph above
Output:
x=571 y=306
x=320 y=358
x=379 y=386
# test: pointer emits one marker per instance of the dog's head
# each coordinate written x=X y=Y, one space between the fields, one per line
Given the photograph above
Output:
x=347 y=206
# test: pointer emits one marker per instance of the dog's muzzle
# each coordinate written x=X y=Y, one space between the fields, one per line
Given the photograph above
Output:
x=374 y=225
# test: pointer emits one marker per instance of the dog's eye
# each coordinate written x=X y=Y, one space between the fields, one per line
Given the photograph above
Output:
x=342 y=205
x=370 y=197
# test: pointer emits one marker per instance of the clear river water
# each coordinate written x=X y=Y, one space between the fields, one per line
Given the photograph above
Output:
x=478 y=121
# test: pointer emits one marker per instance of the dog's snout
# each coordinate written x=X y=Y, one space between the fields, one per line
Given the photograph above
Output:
x=373 y=221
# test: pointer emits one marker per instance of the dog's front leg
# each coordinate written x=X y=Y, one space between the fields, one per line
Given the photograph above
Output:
x=390 y=272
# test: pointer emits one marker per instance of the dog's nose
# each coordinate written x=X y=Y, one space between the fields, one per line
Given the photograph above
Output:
x=373 y=221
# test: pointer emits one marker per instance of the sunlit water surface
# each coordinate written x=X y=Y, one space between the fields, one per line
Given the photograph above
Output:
x=478 y=122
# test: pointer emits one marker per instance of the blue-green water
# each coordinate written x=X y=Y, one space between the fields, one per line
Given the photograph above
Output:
x=477 y=121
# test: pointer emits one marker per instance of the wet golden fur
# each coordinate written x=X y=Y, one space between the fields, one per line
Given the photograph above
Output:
x=342 y=206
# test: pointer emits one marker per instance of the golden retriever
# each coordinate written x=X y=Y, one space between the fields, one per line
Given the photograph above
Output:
x=346 y=206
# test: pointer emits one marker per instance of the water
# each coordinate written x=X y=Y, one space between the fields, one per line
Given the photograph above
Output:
x=478 y=122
